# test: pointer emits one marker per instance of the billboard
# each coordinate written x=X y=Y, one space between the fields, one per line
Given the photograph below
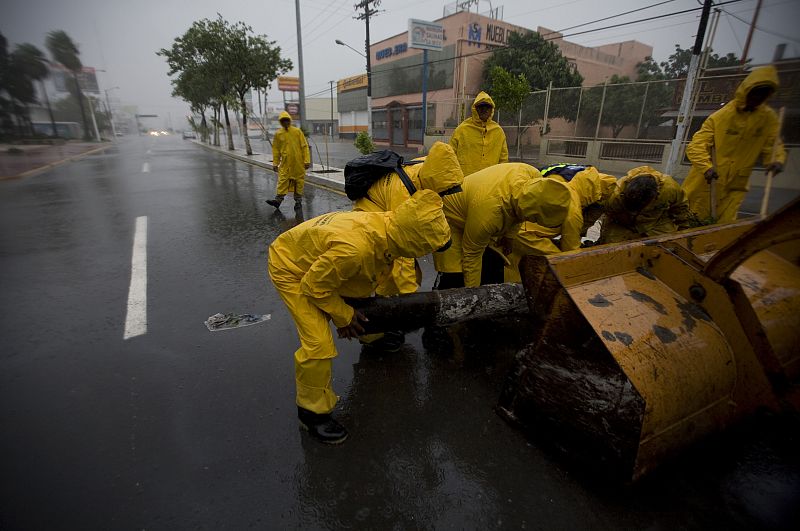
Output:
x=425 y=35
x=294 y=110
x=62 y=78
x=351 y=83
x=289 y=84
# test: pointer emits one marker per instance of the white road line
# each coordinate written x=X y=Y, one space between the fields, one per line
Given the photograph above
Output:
x=146 y=167
x=136 y=317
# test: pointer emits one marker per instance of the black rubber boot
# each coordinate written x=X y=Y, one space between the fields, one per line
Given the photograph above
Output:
x=321 y=426
x=298 y=203
x=390 y=342
x=275 y=202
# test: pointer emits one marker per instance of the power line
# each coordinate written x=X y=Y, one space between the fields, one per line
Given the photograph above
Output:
x=773 y=33
x=615 y=16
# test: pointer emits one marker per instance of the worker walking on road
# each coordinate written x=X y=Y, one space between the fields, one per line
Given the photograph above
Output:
x=479 y=141
x=290 y=160
x=343 y=254
x=489 y=211
x=645 y=203
x=744 y=129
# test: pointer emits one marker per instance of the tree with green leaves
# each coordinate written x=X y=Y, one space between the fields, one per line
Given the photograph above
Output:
x=228 y=61
x=508 y=91
x=31 y=63
x=677 y=65
x=542 y=63
x=64 y=51
x=621 y=106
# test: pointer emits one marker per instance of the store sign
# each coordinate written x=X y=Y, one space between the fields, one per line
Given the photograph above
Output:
x=389 y=52
x=425 y=35
x=352 y=83
x=492 y=33
x=294 y=110
x=289 y=84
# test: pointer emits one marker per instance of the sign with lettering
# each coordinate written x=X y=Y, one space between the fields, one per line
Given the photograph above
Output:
x=494 y=33
x=351 y=83
x=289 y=84
x=389 y=52
x=425 y=35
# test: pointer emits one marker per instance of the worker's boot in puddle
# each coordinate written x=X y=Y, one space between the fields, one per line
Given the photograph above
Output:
x=322 y=427
x=275 y=202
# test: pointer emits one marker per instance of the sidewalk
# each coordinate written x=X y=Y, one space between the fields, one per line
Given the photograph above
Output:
x=29 y=160
x=332 y=178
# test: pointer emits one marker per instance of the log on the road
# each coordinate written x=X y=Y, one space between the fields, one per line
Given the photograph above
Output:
x=441 y=308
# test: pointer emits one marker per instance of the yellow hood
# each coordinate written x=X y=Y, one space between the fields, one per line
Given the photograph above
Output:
x=592 y=186
x=766 y=75
x=441 y=170
x=418 y=226
x=542 y=201
x=482 y=97
x=284 y=115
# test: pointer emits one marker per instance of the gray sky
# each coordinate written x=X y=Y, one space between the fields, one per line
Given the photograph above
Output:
x=123 y=36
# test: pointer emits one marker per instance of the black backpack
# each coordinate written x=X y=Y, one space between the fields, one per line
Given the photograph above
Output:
x=361 y=172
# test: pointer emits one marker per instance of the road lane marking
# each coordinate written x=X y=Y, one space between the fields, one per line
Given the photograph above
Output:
x=136 y=317
x=146 y=167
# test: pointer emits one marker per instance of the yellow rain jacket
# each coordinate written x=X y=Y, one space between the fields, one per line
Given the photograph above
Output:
x=479 y=144
x=290 y=153
x=494 y=203
x=316 y=263
x=586 y=187
x=439 y=172
x=739 y=139
x=668 y=212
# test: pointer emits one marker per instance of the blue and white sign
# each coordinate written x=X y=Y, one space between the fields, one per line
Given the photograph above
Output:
x=425 y=35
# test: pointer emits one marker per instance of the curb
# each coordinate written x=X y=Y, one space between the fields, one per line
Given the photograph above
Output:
x=51 y=165
x=313 y=178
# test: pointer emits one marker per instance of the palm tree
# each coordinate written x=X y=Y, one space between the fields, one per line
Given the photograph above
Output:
x=64 y=51
x=32 y=63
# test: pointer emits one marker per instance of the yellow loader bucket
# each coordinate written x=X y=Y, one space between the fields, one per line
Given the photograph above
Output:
x=647 y=346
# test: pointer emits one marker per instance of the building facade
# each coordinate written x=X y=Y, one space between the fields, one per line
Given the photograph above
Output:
x=455 y=75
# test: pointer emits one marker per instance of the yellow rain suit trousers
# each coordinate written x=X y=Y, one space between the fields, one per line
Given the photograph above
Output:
x=479 y=144
x=739 y=138
x=290 y=153
x=316 y=263
x=438 y=172
x=494 y=203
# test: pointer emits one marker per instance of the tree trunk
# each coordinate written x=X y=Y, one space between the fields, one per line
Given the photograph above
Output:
x=228 y=127
x=203 y=127
x=216 y=126
x=49 y=110
x=79 y=94
x=247 y=147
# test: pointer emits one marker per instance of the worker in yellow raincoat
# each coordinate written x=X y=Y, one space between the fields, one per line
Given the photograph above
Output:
x=588 y=189
x=645 y=203
x=290 y=160
x=737 y=134
x=343 y=254
x=489 y=211
x=479 y=141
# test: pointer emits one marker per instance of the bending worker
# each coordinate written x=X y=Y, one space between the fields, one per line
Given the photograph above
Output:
x=645 y=203
x=479 y=141
x=290 y=160
x=588 y=189
x=489 y=211
x=316 y=263
x=740 y=132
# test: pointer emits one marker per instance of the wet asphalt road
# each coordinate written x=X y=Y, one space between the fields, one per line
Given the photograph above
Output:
x=181 y=428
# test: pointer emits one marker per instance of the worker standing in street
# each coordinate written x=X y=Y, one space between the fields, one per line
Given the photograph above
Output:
x=479 y=141
x=343 y=254
x=729 y=143
x=290 y=160
x=488 y=213
x=645 y=203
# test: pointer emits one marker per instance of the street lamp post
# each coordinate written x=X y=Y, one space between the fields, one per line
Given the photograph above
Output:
x=369 y=85
x=110 y=114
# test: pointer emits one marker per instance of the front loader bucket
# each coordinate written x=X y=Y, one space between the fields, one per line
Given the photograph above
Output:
x=645 y=347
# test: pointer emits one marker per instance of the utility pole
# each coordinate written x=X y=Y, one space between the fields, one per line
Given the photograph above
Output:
x=369 y=10
x=300 y=64
x=684 y=113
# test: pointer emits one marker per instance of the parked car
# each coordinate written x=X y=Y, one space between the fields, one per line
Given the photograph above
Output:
x=189 y=134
